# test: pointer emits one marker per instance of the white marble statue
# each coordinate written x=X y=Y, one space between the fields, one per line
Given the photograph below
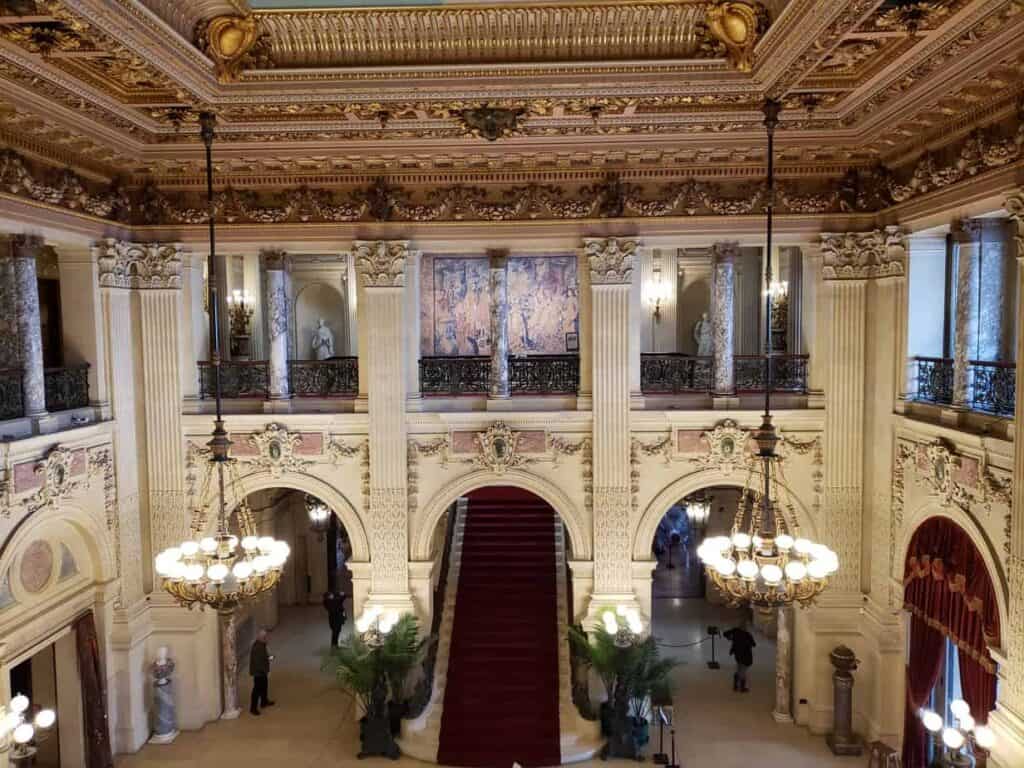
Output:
x=323 y=341
x=702 y=335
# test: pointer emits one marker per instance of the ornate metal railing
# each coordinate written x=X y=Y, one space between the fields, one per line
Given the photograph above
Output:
x=544 y=375
x=673 y=373
x=789 y=373
x=993 y=387
x=454 y=375
x=12 y=403
x=66 y=387
x=934 y=380
x=238 y=379
x=336 y=377
x=530 y=375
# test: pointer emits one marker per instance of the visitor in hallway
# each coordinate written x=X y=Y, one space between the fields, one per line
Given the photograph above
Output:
x=741 y=649
x=334 y=604
x=259 y=668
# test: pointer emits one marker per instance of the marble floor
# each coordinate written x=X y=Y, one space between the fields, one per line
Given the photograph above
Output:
x=312 y=724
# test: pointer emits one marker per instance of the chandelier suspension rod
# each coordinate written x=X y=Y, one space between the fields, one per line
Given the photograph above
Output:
x=219 y=444
x=771 y=120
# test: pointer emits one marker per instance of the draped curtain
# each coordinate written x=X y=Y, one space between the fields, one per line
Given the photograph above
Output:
x=948 y=590
x=94 y=695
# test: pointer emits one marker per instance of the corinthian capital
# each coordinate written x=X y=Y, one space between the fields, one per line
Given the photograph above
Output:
x=610 y=260
x=381 y=263
x=26 y=246
x=1015 y=207
x=138 y=265
x=274 y=259
x=726 y=251
x=864 y=255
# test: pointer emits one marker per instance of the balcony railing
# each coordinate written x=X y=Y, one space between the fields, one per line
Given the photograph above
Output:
x=789 y=373
x=335 y=377
x=67 y=387
x=12 y=404
x=993 y=387
x=529 y=375
x=935 y=380
x=238 y=379
x=675 y=374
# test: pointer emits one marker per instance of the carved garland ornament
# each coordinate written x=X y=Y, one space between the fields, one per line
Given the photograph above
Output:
x=381 y=263
x=864 y=255
x=276 y=448
x=58 y=484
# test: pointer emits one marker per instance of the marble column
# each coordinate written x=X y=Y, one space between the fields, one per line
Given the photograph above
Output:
x=275 y=264
x=723 y=289
x=794 y=262
x=24 y=249
x=610 y=264
x=967 y=236
x=229 y=664
x=1008 y=719
x=499 y=384
x=783 y=712
x=381 y=267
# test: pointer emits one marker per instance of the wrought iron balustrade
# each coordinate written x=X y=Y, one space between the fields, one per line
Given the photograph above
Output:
x=66 y=388
x=993 y=387
x=12 y=402
x=544 y=374
x=935 y=380
x=238 y=379
x=334 y=377
x=675 y=373
x=789 y=373
x=454 y=375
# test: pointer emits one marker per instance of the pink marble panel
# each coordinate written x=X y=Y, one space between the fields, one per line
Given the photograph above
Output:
x=464 y=442
x=532 y=442
x=312 y=444
x=690 y=441
x=78 y=462
x=26 y=478
x=968 y=473
x=240 y=445
x=923 y=464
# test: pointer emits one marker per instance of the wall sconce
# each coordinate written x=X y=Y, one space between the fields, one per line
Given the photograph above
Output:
x=778 y=289
x=240 y=309
x=657 y=292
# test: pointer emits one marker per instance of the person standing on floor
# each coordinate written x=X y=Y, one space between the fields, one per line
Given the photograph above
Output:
x=334 y=604
x=742 y=649
x=259 y=668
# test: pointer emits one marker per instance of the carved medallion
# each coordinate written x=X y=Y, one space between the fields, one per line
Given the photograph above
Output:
x=36 y=567
x=499 y=449
x=726 y=448
x=276 y=450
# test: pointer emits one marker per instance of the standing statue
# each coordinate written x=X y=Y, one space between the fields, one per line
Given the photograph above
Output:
x=702 y=335
x=323 y=341
x=165 y=720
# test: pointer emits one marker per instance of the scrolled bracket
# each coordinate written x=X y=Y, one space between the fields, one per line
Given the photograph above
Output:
x=739 y=26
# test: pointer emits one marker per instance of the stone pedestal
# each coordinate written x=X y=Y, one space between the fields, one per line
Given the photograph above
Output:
x=24 y=249
x=842 y=740
x=499 y=384
x=229 y=665
x=723 y=289
x=165 y=719
x=274 y=264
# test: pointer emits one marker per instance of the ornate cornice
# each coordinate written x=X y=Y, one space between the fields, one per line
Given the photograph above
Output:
x=610 y=260
x=138 y=265
x=864 y=255
x=381 y=263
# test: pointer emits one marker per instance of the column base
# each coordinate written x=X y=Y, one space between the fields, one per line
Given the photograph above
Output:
x=500 y=403
x=953 y=415
x=782 y=717
x=281 y=404
x=725 y=402
x=44 y=423
x=230 y=714
x=361 y=404
x=414 y=403
x=844 y=748
x=636 y=402
x=815 y=398
x=165 y=738
x=585 y=401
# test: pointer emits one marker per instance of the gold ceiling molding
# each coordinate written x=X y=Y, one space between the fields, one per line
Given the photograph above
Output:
x=234 y=43
x=738 y=25
x=503 y=33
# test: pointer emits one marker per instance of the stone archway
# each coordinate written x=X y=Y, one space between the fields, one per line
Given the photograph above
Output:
x=575 y=522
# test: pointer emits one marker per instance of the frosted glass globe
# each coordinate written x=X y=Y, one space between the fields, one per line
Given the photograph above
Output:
x=966 y=722
x=984 y=736
x=747 y=569
x=952 y=738
x=46 y=718
x=19 y=703
x=784 y=542
x=796 y=571
x=217 y=572
x=208 y=545
x=23 y=733
x=932 y=721
x=817 y=569
x=726 y=567
x=261 y=564
x=249 y=543
x=771 y=573
x=803 y=546
x=242 y=570
x=741 y=540
x=193 y=572
x=959 y=708
x=266 y=543
x=277 y=558
x=172 y=553
x=189 y=548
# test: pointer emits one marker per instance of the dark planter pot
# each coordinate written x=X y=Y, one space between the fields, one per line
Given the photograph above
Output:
x=376 y=739
x=626 y=737
x=396 y=711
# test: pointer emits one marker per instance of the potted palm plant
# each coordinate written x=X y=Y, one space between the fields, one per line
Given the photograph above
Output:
x=374 y=669
x=632 y=673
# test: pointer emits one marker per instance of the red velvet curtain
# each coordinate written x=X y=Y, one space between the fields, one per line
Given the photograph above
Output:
x=922 y=672
x=94 y=695
x=947 y=588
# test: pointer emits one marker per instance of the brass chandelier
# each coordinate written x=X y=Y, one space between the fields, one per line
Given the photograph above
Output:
x=762 y=562
x=223 y=570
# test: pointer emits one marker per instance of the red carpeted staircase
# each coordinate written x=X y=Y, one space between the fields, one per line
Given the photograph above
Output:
x=501 y=699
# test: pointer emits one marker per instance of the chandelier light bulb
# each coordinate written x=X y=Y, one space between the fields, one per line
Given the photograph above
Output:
x=24 y=733
x=984 y=737
x=966 y=722
x=803 y=546
x=784 y=542
x=726 y=567
x=250 y=543
x=635 y=624
x=741 y=540
x=959 y=708
x=796 y=571
x=208 y=544
x=242 y=570
x=19 y=703
x=817 y=569
x=931 y=720
x=11 y=721
x=45 y=719
x=265 y=544
x=747 y=569
x=217 y=573
x=952 y=738
x=189 y=549
x=771 y=573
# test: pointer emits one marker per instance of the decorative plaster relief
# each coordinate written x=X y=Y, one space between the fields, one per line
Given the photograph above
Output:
x=610 y=260
x=338 y=450
x=864 y=255
x=36 y=568
x=56 y=475
x=138 y=265
x=381 y=263
x=276 y=450
x=727 y=448
x=499 y=449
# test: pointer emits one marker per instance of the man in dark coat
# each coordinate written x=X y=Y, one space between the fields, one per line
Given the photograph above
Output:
x=742 y=649
x=334 y=604
x=259 y=668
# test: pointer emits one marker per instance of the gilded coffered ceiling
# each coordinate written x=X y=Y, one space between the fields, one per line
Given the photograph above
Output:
x=310 y=92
